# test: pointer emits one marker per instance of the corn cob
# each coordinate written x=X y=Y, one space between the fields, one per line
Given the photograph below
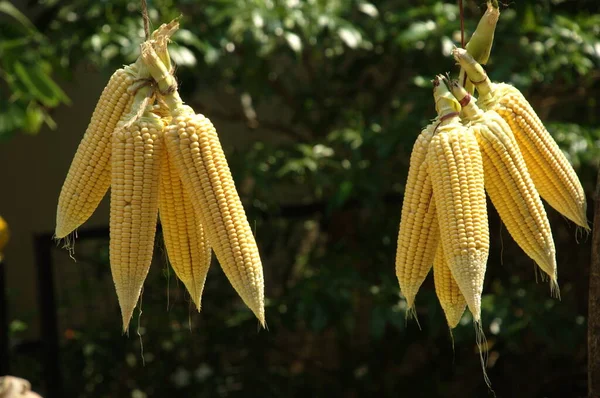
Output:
x=553 y=176
x=162 y=110
x=194 y=146
x=186 y=242
x=187 y=245
x=509 y=184
x=456 y=170
x=447 y=290
x=88 y=178
x=418 y=233
x=137 y=152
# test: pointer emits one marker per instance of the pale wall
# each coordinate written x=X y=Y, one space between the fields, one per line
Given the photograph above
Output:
x=33 y=170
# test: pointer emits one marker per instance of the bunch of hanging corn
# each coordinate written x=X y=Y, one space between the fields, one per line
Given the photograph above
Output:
x=518 y=163
x=499 y=146
x=161 y=160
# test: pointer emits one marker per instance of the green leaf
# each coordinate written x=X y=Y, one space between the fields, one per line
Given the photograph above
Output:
x=34 y=117
x=211 y=55
x=368 y=9
x=12 y=117
x=7 y=45
x=342 y=195
x=49 y=121
x=417 y=31
x=17 y=326
x=41 y=76
x=294 y=41
x=185 y=36
x=40 y=92
x=350 y=36
x=12 y=11
x=183 y=56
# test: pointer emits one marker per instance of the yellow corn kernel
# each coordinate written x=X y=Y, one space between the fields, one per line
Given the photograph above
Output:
x=418 y=232
x=451 y=299
x=186 y=242
x=88 y=178
x=513 y=194
x=456 y=170
x=161 y=109
x=508 y=182
x=553 y=175
x=137 y=152
x=551 y=172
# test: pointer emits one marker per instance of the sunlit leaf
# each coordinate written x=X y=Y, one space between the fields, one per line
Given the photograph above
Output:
x=34 y=117
x=182 y=56
x=294 y=41
x=369 y=9
x=350 y=36
x=185 y=36
x=417 y=31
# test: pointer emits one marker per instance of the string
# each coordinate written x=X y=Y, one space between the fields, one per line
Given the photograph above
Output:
x=146 y=19
x=462 y=23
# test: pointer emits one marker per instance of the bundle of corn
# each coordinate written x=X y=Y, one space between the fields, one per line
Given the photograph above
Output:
x=522 y=164
x=498 y=146
x=444 y=215
x=160 y=160
x=419 y=231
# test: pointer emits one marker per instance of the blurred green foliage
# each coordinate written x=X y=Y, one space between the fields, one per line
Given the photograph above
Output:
x=27 y=89
x=327 y=98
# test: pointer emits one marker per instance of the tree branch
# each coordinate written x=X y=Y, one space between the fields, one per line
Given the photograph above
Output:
x=594 y=303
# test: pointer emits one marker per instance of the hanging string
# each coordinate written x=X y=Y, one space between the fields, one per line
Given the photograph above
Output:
x=462 y=23
x=146 y=19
